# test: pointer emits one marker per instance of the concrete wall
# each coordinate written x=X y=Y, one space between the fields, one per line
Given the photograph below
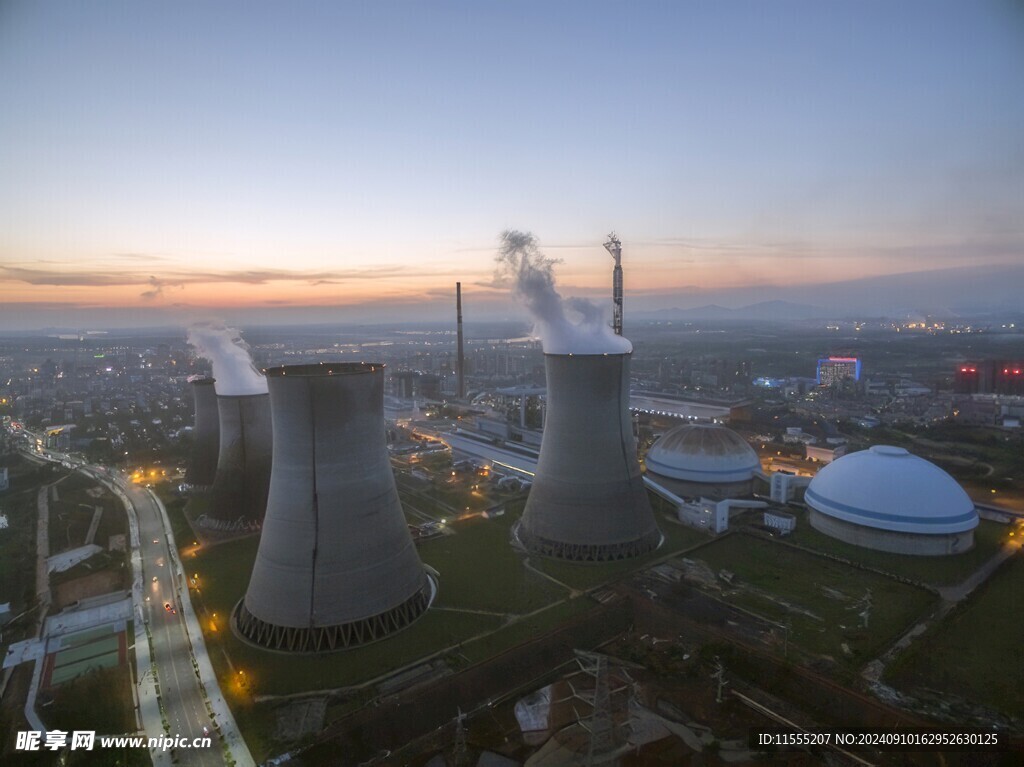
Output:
x=239 y=495
x=202 y=467
x=887 y=540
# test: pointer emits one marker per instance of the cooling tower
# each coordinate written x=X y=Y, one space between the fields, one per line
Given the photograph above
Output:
x=588 y=502
x=238 y=498
x=336 y=566
x=205 y=435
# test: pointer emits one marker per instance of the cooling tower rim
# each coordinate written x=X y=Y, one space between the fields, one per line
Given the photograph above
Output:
x=588 y=354
x=203 y=381
x=320 y=369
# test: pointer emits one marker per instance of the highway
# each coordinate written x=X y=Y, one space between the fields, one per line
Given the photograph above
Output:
x=180 y=692
x=181 y=695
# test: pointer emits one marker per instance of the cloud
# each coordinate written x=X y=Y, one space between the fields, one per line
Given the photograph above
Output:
x=155 y=284
x=157 y=288
x=139 y=257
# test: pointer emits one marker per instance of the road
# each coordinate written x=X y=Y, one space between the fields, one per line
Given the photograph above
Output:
x=181 y=695
x=183 y=700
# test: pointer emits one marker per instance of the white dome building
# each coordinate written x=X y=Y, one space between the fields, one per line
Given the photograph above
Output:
x=885 y=498
x=703 y=460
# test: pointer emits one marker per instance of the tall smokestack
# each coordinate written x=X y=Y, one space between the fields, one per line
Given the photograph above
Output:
x=202 y=465
x=462 y=356
x=588 y=502
x=238 y=498
x=614 y=247
x=336 y=566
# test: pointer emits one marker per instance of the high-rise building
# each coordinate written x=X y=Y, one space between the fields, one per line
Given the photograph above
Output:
x=990 y=377
x=833 y=370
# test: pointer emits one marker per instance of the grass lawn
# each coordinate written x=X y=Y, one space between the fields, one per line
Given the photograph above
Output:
x=799 y=579
x=481 y=571
x=224 y=575
x=975 y=653
x=525 y=629
x=938 y=571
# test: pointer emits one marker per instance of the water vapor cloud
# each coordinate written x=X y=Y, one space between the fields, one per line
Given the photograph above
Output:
x=564 y=325
x=232 y=364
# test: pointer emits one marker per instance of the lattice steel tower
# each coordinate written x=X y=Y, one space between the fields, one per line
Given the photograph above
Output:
x=614 y=247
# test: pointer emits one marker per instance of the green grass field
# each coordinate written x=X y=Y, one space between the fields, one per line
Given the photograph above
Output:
x=481 y=571
x=975 y=652
x=487 y=602
x=800 y=579
x=937 y=571
x=478 y=571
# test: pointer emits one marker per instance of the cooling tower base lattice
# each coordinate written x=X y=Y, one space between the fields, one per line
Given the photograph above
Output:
x=584 y=552
x=328 y=638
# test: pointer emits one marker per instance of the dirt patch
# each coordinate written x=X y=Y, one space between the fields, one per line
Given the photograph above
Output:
x=92 y=585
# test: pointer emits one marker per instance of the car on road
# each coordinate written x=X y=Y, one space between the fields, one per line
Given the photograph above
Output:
x=154 y=579
x=167 y=606
x=156 y=540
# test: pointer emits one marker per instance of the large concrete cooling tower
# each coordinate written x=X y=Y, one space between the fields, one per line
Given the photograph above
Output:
x=238 y=498
x=588 y=502
x=205 y=435
x=336 y=566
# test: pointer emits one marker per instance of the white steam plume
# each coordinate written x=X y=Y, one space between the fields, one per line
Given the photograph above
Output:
x=565 y=326
x=232 y=365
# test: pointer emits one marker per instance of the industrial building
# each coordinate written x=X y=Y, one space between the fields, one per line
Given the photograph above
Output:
x=202 y=467
x=887 y=499
x=336 y=566
x=588 y=502
x=703 y=460
x=238 y=498
x=990 y=377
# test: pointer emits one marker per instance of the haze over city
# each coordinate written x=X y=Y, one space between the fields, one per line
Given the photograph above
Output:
x=511 y=384
x=338 y=162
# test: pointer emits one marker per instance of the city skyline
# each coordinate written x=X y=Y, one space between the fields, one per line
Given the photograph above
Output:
x=340 y=163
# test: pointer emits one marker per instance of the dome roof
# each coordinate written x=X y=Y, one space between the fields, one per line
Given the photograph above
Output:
x=703 y=453
x=890 y=489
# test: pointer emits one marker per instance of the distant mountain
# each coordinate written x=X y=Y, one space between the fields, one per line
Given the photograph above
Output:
x=777 y=311
x=970 y=291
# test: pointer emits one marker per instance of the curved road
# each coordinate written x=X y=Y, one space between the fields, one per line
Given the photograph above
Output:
x=182 y=696
x=180 y=691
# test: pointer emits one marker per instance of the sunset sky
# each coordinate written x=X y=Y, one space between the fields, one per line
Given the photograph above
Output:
x=272 y=161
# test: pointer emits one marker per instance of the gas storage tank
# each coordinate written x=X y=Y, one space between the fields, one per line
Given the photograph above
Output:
x=588 y=502
x=238 y=499
x=202 y=467
x=336 y=566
